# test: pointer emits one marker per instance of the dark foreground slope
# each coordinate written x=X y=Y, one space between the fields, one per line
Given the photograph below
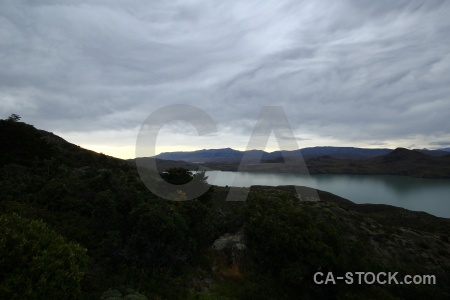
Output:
x=287 y=241
x=82 y=221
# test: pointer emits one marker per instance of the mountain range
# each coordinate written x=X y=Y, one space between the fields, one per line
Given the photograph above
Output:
x=320 y=160
x=22 y=144
x=228 y=155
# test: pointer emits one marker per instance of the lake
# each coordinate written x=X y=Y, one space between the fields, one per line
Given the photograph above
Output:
x=418 y=194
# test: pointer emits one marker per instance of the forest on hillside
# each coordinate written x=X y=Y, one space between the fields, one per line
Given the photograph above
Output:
x=75 y=224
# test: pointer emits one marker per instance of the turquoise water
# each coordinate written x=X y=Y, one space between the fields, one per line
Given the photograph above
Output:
x=418 y=194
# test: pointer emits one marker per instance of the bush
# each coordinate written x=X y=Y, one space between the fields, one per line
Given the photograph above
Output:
x=38 y=263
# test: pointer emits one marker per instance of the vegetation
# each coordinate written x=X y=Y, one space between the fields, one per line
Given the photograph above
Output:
x=37 y=262
x=75 y=224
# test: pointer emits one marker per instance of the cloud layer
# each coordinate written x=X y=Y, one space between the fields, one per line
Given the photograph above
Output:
x=362 y=73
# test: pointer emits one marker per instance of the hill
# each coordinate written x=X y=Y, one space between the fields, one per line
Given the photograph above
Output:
x=437 y=152
x=226 y=155
x=351 y=153
x=231 y=156
x=83 y=222
x=23 y=144
x=398 y=162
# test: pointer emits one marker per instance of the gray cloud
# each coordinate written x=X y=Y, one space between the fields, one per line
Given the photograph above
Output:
x=359 y=71
x=441 y=143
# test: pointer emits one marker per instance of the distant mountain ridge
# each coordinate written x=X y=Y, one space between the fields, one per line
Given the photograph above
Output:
x=327 y=160
x=228 y=155
x=23 y=144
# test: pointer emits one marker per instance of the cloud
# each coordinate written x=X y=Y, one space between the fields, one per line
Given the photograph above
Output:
x=377 y=144
x=357 y=71
x=440 y=143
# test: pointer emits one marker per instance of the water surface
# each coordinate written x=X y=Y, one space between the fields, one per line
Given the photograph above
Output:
x=429 y=195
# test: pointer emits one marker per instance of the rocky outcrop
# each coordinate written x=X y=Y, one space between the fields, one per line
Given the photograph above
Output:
x=233 y=247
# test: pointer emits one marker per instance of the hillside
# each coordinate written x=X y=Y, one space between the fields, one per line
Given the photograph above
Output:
x=398 y=162
x=23 y=144
x=82 y=222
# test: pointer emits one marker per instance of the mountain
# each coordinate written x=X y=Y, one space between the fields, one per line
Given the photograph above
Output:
x=226 y=155
x=445 y=149
x=438 y=152
x=398 y=162
x=402 y=154
x=229 y=155
x=343 y=152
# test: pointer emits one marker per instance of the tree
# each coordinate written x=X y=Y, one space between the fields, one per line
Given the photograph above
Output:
x=37 y=262
x=182 y=176
x=288 y=239
x=14 y=118
x=177 y=176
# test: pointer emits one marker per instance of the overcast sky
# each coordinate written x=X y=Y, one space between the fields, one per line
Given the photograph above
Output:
x=347 y=73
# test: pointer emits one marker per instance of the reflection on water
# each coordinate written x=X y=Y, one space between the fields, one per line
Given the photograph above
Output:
x=429 y=195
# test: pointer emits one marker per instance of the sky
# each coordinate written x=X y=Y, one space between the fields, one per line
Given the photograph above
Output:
x=372 y=74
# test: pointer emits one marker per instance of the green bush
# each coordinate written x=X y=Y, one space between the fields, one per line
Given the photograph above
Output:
x=36 y=262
